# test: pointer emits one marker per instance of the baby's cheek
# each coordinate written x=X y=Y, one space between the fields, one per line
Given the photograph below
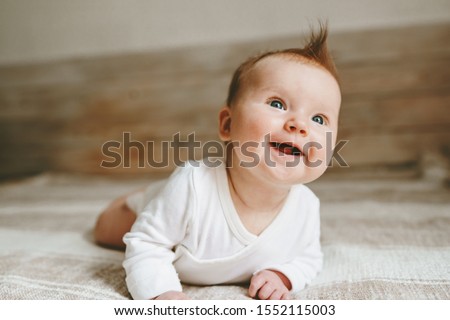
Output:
x=255 y=131
x=317 y=153
x=315 y=158
x=315 y=164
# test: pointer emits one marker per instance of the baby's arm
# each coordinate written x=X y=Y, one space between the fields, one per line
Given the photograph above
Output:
x=172 y=295
x=274 y=281
x=270 y=285
x=149 y=256
x=149 y=252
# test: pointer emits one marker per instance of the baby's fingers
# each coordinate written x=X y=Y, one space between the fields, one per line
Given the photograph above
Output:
x=286 y=296
x=266 y=291
x=276 y=295
x=256 y=283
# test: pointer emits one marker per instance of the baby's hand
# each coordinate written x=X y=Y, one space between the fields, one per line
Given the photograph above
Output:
x=269 y=285
x=172 y=295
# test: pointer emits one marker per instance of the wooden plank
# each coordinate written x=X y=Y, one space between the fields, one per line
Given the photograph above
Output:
x=387 y=149
x=56 y=115
x=349 y=47
x=410 y=112
x=396 y=76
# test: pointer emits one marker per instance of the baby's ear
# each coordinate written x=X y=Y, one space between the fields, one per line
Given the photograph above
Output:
x=225 y=123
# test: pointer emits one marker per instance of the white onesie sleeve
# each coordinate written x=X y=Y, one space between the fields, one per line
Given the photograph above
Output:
x=307 y=263
x=157 y=230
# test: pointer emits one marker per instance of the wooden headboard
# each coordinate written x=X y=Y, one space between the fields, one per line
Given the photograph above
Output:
x=57 y=115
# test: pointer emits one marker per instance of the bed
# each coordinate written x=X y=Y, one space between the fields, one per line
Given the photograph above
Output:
x=381 y=238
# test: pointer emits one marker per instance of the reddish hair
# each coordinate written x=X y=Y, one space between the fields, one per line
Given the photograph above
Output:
x=315 y=51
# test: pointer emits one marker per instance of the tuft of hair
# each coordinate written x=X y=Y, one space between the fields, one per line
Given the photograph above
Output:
x=315 y=51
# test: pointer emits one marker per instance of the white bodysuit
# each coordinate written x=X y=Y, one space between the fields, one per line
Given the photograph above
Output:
x=189 y=230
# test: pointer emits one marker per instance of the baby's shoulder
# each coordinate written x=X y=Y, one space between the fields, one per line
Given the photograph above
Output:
x=304 y=195
x=198 y=173
x=304 y=206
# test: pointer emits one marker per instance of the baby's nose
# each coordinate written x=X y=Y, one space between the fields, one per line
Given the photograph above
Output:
x=297 y=126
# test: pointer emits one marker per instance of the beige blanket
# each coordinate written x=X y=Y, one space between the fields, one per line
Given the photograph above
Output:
x=381 y=240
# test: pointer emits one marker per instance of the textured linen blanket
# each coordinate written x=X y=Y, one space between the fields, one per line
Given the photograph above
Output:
x=382 y=239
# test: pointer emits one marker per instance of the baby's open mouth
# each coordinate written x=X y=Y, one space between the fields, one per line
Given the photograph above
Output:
x=286 y=148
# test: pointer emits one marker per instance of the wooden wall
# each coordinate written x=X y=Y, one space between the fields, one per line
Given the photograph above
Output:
x=57 y=115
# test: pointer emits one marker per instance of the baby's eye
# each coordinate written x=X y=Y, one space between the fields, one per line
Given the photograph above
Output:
x=277 y=104
x=318 y=119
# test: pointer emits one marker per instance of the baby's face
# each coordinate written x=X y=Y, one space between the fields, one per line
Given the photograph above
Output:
x=288 y=107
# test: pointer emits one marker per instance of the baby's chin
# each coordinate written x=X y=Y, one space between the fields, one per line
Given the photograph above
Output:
x=314 y=174
x=296 y=175
x=302 y=180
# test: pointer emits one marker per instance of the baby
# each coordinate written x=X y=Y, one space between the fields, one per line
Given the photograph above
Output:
x=249 y=219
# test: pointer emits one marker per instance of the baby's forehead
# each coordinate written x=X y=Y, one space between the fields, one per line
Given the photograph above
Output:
x=279 y=72
x=280 y=60
x=270 y=65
